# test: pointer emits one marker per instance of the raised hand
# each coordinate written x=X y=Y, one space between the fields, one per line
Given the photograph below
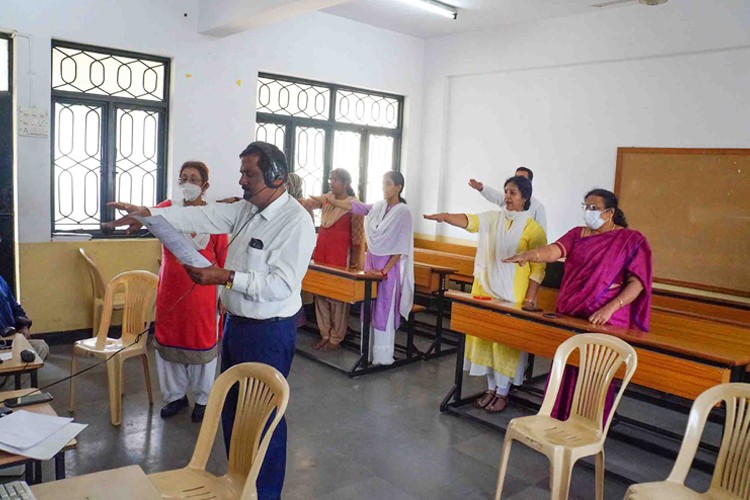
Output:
x=521 y=258
x=129 y=220
x=441 y=217
x=475 y=184
x=231 y=199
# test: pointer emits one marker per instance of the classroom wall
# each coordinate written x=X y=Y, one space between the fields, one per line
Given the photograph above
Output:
x=58 y=292
x=560 y=96
x=212 y=110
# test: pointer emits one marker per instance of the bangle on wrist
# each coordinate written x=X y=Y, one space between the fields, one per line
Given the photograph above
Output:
x=620 y=301
x=538 y=259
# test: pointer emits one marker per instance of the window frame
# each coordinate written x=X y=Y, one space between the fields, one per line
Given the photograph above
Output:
x=331 y=126
x=9 y=38
x=108 y=138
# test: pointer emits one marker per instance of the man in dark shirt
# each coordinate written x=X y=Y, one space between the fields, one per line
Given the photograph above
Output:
x=13 y=315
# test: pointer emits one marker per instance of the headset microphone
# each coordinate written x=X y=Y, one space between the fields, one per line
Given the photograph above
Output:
x=247 y=194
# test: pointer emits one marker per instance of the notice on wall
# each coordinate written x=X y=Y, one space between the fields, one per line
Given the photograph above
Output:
x=33 y=122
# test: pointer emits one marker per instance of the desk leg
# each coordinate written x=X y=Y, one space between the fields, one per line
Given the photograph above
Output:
x=34 y=379
x=17 y=378
x=364 y=359
x=441 y=312
x=60 y=466
x=455 y=392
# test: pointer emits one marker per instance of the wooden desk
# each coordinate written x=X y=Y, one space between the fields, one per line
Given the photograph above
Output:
x=17 y=367
x=349 y=285
x=34 y=467
x=704 y=353
x=463 y=264
x=431 y=279
x=125 y=483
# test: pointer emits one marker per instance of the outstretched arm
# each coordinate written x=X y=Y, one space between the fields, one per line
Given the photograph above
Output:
x=458 y=220
x=549 y=253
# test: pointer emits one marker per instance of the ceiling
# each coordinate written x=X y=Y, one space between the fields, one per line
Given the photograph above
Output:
x=403 y=17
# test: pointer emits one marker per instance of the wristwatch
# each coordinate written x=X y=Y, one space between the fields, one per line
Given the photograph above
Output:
x=230 y=281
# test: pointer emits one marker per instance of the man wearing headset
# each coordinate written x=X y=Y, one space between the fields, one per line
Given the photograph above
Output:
x=272 y=239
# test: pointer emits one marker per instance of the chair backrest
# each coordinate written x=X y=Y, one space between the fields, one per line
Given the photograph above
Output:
x=97 y=282
x=732 y=470
x=263 y=393
x=600 y=356
x=139 y=297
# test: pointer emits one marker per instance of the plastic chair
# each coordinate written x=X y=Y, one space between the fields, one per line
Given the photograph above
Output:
x=731 y=478
x=140 y=294
x=97 y=288
x=564 y=442
x=263 y=395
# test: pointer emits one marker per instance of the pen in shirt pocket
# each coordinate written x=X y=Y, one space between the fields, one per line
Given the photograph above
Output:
x=256 y=243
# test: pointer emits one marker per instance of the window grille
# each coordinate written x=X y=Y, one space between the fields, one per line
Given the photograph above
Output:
x=322 y=126
x=110 y=111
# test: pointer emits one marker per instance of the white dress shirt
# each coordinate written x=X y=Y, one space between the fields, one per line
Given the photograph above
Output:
x=268 y=280
x=536 y=209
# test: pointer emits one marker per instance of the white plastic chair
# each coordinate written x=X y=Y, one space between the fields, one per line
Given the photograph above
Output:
x=731 y=479
x=261 y=402
x=564 y=442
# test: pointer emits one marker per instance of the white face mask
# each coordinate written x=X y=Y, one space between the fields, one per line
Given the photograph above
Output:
x=190 y=192
x=593 y=219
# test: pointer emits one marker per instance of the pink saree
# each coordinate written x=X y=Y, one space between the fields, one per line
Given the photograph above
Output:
x=595 y=271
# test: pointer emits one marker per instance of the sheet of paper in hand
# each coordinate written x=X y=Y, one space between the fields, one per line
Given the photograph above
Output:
x=175 y=241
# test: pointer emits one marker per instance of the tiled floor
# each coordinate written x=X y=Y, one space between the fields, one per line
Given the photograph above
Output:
x=379 y=436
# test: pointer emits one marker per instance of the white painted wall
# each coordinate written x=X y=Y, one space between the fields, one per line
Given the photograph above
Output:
x=212 y=111
x=560 y=96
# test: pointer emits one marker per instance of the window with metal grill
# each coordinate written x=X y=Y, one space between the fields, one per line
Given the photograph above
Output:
x=109 y=123
x=323 y=126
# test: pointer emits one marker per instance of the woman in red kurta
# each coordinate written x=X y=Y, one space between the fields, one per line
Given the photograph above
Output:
x=339 y=244
x=186 y=313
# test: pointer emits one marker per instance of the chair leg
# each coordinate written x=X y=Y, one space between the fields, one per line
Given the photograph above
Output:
x=114 y=373
x=72 y=396
x=600 y=475
x=560 y=470
x=504 y=456
x=147 y=373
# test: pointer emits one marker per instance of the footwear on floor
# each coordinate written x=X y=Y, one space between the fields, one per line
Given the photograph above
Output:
x=175 y=407
x=198 y=412
x=497 y=404
x=320 y=344
x=485 y=399
x=330 y=346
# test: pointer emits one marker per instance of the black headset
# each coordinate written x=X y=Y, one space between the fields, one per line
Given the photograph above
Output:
x=276 y=173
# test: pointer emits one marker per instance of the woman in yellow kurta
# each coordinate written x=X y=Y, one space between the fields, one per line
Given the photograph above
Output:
x=501 y=234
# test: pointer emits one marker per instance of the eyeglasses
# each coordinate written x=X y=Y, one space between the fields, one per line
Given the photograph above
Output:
x=192 y=180
x=592 y=206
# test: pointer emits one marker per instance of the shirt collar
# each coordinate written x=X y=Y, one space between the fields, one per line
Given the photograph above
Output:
x=276 y=205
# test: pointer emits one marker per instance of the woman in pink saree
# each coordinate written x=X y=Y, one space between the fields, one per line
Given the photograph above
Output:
x=606 y=277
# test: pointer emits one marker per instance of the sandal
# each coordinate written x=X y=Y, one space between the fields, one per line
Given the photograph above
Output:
x=320 y=344
x=485 y=399
x=330 y=346
x=498 y=404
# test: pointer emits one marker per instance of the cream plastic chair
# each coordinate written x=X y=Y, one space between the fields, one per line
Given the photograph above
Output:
x=262 y=390
x=139 y=288
x=97 y=288
x=583 y=434
x=731 y=477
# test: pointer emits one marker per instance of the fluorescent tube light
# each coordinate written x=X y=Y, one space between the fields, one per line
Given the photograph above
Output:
x=440 y=8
